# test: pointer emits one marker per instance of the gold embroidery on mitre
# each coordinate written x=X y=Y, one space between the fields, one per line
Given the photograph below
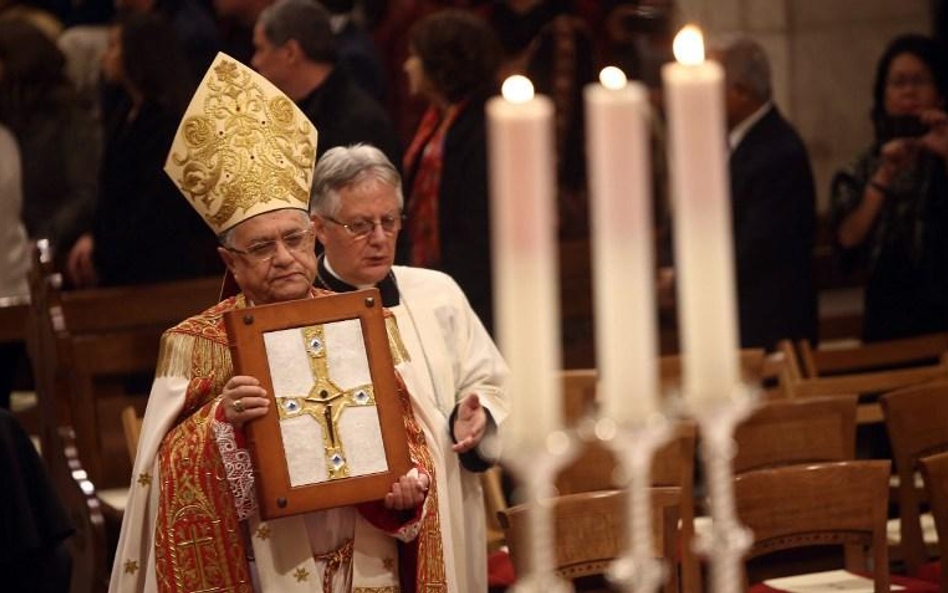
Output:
x=243 y=148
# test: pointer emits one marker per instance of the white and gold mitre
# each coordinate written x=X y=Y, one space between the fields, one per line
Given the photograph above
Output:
x=243 y=148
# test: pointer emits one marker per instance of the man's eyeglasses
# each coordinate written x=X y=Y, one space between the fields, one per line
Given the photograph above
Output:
x=264 y=251
x=362 y=228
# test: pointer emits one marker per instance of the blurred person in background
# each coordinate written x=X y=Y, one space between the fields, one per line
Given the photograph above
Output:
x=889 y=209
x=773 y=205
x=15 y=260
x=297 y=51
x=194 y=26
x=58 y=140
x=142 y=231
x=357 y=51
x=548 y=43
x=453 y=63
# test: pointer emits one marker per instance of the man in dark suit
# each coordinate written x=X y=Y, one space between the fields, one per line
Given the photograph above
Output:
x=774 y=206
x=296 y=50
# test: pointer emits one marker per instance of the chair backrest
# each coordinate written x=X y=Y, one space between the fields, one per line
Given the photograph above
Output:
x=590 y=532
x=88 y=547
x=822 y=504
x=786 y=432
x=579 y=385
x=935 y=471
x=891 y=354
x=752 y=362
x=104 y=339
x=672 y=466
x=916 y=419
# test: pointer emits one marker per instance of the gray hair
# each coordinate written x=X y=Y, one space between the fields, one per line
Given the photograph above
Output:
x=346 y=166
x=304 y=21
x=226 y=238
x=746 y=66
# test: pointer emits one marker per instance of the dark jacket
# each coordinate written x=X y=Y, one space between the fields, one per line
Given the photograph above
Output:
x=463 y=209
x=145 y=230
x=774 y=216
x=345 y=114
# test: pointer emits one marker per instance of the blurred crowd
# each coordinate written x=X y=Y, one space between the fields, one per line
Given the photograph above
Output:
x=91 y=94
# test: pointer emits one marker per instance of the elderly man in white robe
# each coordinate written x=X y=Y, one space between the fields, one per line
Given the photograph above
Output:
x=455 y=374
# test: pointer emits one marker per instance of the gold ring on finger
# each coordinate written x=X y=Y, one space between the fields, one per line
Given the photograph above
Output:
x=238 y=406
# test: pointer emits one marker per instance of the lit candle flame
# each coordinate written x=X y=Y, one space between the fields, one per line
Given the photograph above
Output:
x=612 y=78
x=689 y=45
x=517 y=89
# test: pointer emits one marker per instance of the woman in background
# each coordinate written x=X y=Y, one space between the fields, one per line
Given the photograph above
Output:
x=890 y=208
x=453 y=62
x=58 y=140
x=143 y=232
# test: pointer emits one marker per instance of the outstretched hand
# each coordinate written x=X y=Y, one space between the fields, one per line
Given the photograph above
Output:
x=469 y=424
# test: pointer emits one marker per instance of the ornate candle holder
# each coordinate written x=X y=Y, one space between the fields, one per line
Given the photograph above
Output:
x=535 y=467
x=728 y=540
x=637 y=570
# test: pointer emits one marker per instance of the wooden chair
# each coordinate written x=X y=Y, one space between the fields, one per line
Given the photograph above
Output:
x=579 y=385
x=672 y=466
x=823 y=504
x=786 y=432
x=892 y=354
x=916 y=419
x=89 y=547
x=103 y=339
x=935 y=470
x=869 y=383
x=589 y=531
x=791 y=432
x=793 y=368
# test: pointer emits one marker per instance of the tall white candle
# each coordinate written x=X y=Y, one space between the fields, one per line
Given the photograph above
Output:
x=526 y=301
x=617 y=115
x=704 y=255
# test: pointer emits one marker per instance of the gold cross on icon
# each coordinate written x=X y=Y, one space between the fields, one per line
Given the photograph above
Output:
x=325 y=401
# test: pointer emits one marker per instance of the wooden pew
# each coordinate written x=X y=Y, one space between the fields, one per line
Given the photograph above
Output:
x=872 y=357
x=105 y=344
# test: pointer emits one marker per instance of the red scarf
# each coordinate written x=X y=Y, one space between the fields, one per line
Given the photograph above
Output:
x=426 y=156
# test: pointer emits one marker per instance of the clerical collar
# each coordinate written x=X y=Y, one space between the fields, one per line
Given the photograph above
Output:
x=327 y=278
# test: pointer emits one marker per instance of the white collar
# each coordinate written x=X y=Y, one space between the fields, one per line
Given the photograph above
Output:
x=736 y=135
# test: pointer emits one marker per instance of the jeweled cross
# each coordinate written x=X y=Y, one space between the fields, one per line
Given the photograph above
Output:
x=325 y=401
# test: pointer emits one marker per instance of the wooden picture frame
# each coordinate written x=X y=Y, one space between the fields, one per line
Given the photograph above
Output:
x=317 y=446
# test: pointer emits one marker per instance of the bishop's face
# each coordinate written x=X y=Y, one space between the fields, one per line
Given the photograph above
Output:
x=367 y=259
x=271 y=256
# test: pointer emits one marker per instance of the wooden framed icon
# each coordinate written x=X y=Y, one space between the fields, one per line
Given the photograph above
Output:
x=334 y=434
